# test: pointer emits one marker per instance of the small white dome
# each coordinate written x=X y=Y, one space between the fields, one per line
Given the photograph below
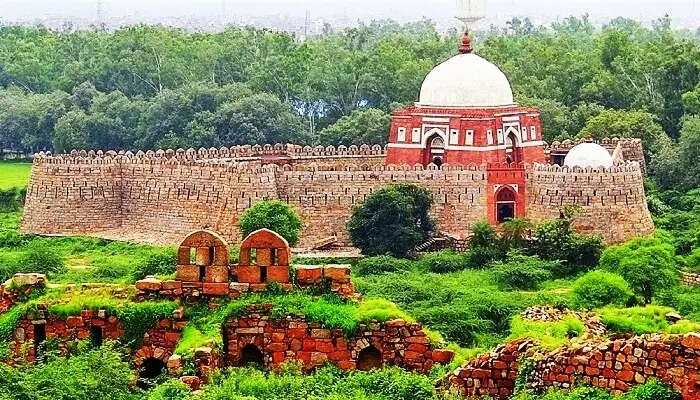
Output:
x=588 y=155
x=466 y=80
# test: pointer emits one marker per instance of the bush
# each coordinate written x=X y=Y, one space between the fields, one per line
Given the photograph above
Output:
x=381 y=265
x=523 y=272
x=647 y=264
x=172 y=389
x=601 y=288
x=274 y=215
x=692 y=261
x=653 y=390
x=9 y=199
x=551 y=335
x=483 y=246
x=12 y=239
x=158 y=263
x=443 y=262
x=42 y=260
x=557 y=241
x=392 y=220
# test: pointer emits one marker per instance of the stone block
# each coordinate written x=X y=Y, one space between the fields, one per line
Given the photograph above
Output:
x=278 y=274
x=204 y=256
x=248 y=274
x=216 y=274
x=239 y=287
x=22 y=280
x=183 y=255
x=263 y=257
x=172 y=285
x=309 y=274
x=337 y=273
x=443 y=356
x=284 y=256
x=150 y=284
x=221 y=255
x=215 y=289
x=187 y=273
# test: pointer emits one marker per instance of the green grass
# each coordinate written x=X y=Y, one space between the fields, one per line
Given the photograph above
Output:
x=550 y=335
x=14 y=174
x=641 y=320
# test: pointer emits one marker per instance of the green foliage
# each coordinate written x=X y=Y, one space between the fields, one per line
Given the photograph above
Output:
x=158 y=263
x=381 y=265
x=550 y=335
x=484 y=246
x=556 y=240
x=692 y=262
x=172 y=389
x=647 y=264
x=94 y=375
x=13 y=175
x=392 y=220
x=327 y=383
x=523 y=272
x=599 y=288
x=443 y=262
x=274 y=215
x=42 y=260
x=362 y=126
x=642 y=320
x=653 y=390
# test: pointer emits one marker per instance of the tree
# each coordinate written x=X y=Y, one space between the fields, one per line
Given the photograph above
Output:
x=628 y=124
x=600 y=288
x=647 y=264
x=274 y=215
x=363 y=126
x=392 y=220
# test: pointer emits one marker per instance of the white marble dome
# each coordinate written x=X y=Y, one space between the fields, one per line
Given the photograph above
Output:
x=466 y=80
x=588 y=155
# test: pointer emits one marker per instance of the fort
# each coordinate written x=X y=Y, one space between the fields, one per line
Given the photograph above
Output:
x=480 y=155
x=157 y=197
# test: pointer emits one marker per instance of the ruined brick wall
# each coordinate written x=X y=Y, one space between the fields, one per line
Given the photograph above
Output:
x=690 y=278
x=295 y=339
x=612 y=201
x=73 y=195
x=614 y=365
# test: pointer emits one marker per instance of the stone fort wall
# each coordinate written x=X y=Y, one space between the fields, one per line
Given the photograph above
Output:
x=158 y=197
x=610 y=201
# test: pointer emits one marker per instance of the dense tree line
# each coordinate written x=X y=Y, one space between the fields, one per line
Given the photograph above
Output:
x=151 y=86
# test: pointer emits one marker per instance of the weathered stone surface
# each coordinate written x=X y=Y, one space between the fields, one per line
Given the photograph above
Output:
x=150 y=284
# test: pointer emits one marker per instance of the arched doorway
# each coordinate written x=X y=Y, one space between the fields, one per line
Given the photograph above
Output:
x=506 y=201
x=252 y=356
x=436 y=149
x=513 y=151
x=150 y=369
x=369 y=358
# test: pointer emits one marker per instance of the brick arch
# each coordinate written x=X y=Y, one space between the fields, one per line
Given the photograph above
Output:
x=145 y=352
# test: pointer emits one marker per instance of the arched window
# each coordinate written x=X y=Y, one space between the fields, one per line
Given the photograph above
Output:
x=506 y=200
x=251 y=355
x=513 y=151
x=437 y=150
x=369 y=358
x=150 y=369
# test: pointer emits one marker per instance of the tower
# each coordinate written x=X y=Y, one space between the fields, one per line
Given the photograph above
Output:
x=470 y=11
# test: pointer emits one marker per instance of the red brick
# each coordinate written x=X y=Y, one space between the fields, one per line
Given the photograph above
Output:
x=309 y=274
x=309 y=345
x=215 y=289
x=216 y=274
x=248 y=274
x=339 y=355
x=278 y=274
x=187 y=273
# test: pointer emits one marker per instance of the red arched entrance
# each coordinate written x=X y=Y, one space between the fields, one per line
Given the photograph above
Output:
x=506 y=204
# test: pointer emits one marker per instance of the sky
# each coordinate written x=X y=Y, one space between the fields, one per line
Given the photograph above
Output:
x=685 y=13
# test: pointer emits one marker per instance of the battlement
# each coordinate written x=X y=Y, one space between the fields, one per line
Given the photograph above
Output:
x=608 y=143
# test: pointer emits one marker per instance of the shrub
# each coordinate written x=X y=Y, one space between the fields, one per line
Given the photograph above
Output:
x=653 y=390
x=551 y=335
x=392 y=220
x=172 y=389
x=274 y=215
x=10 y=239
x=443 y=262
x=9 y=199
x=523 y=272
x=647 y=264
x=157 y=263
x=601 y=288
x=557 y=241
x=381 y=265
x=692 y=261
x=42 y=260
x=483 y=246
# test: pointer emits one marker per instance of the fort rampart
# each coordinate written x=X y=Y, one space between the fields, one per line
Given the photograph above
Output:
x=157 y=197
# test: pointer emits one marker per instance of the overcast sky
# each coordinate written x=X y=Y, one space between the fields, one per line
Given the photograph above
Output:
x=684 y=12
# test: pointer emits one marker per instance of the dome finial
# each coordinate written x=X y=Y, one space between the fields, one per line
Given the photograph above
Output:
x=466 y=44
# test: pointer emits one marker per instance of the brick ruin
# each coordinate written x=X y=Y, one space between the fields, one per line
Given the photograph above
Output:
x=614 y=365
x=204 y=274
x=157 y=197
